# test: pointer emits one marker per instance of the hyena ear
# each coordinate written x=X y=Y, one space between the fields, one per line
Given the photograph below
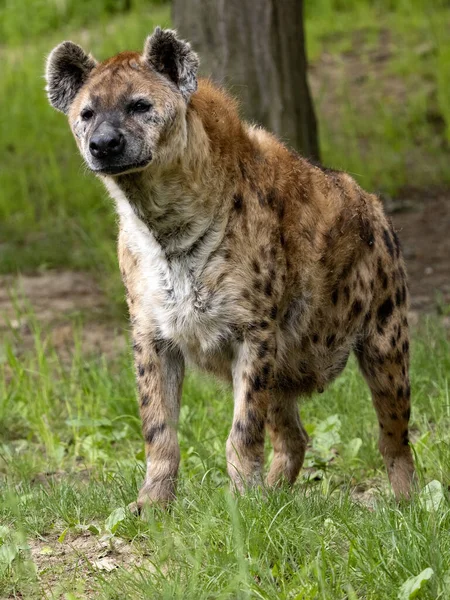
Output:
x=67 y=69
x=173 y=58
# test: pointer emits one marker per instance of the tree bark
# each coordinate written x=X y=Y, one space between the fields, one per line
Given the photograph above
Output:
x=256 y=49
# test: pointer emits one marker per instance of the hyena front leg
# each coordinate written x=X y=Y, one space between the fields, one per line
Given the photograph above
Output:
x=288 y=437
x=159 y=371
x=252 y=378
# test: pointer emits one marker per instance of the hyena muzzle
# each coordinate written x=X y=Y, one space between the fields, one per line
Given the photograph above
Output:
x=239 y=257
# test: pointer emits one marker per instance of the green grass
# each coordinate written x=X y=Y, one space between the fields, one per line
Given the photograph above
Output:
x=71 y=455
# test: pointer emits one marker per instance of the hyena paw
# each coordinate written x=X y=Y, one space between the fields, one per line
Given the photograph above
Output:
x=152 y=493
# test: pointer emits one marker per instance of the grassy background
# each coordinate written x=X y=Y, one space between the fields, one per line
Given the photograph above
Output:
x=71 y=454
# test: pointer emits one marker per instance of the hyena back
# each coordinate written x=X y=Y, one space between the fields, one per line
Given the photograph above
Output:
x=239 y=257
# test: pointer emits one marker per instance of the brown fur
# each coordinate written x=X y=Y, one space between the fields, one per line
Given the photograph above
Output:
x=304 y=267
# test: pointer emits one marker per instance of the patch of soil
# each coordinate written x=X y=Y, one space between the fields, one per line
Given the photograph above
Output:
x=55 y=300
x=424 y=233
x=84 y=554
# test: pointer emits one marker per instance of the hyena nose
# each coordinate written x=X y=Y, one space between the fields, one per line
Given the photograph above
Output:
x=106 y=142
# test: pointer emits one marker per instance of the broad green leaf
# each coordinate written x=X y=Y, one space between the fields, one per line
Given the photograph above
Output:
x=62 y=537
x=8 y=553
x=412 y=586
x=93 y=529
x=116 y=517
x=352 y=448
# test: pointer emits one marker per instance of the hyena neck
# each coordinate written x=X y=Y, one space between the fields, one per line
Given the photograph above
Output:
x=182 y=202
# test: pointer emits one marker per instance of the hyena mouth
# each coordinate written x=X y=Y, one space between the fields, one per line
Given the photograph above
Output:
x=122 y=169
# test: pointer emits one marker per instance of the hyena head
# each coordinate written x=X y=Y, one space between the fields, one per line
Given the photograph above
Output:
x=129 y=111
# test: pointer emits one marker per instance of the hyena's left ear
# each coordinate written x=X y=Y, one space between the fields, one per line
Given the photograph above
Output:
x=67 y=69
x=173 y=58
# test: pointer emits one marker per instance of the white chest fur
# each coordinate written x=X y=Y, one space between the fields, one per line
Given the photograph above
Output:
x=172 y=292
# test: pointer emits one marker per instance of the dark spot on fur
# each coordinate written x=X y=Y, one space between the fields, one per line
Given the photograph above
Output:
x=145 y=400
x=257 y=285
x=393 y=341
x=256 y=421
x=347 y=293
x=246 y=295
x=406 y=414
x=396 y=243
x=264 y=324
x=404 y=293
x=239 y=427
x=256 y=267
x=335 y=296
x=141 y=370
x=394 y=416
x=248 y=396
x=263 y=349
x=274 y=312
x=400 y=392
x=405 y=347
x=408 y=392
x=388 y=243
x=257 y=383
x=268 y=288
x=390 y=434
x=330 y=340
x=137 y=348
x=238 y=202
x=381 y=425
x=382 y=274
x=356 y=309
x=154 y=432
x=315 y=338
x=271 y=197
x=385 y=311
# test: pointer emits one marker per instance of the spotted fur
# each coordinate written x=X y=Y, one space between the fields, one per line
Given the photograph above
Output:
x=245 y=260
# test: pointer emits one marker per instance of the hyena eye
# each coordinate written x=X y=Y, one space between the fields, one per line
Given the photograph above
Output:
x=87 y=114
x=140 y=106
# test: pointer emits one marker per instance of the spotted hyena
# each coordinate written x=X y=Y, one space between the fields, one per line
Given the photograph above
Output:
x=239 y=257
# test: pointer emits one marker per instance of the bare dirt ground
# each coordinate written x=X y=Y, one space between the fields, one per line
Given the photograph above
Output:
x=424 y=231
x=59 y=298
x=56 y=301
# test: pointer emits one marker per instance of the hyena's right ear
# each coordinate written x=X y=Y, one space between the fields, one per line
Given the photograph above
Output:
x=67 y=69
x=174 y=58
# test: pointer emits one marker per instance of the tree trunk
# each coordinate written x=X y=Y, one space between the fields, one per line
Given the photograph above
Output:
x=256 y=48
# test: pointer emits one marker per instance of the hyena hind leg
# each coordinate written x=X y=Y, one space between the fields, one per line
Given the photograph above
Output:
x=288 y=437
x=385 y=364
